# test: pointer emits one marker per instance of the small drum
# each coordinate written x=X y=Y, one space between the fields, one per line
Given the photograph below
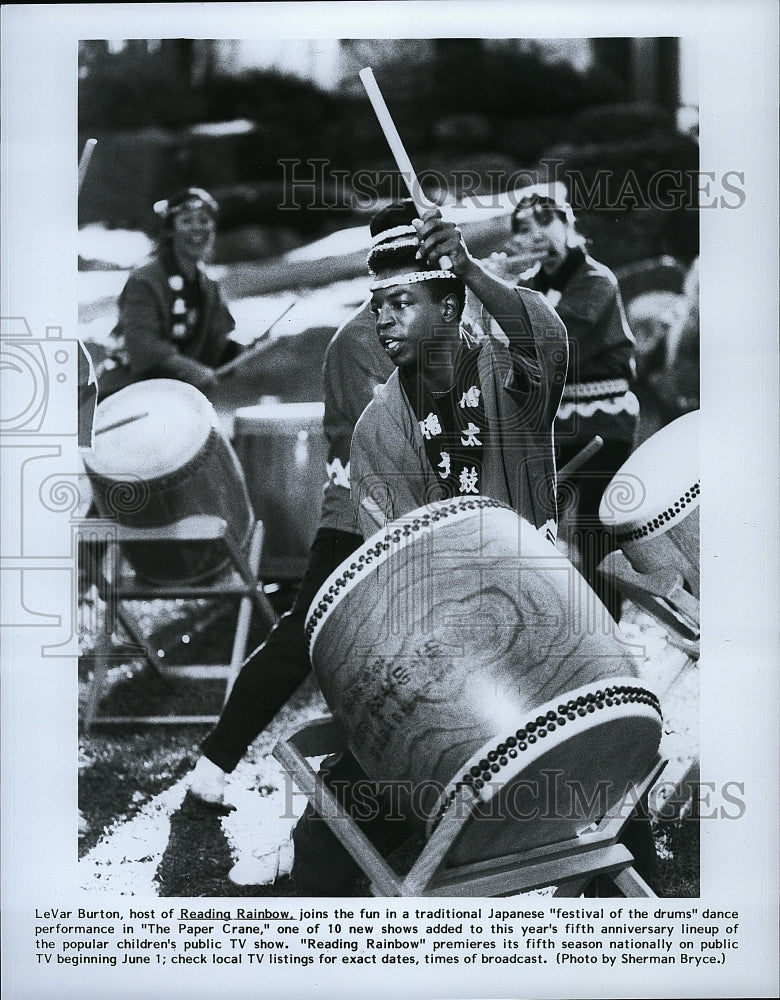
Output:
x=282 y=449
x=652 y=503
x=159 y=456
x=454 y=650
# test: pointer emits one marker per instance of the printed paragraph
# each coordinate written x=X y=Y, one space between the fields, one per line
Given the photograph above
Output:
x=501 y=934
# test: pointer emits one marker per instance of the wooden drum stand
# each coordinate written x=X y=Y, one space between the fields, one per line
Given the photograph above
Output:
x=568 y=865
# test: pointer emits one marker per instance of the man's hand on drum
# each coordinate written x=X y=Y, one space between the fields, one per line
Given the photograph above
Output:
x=442 y=239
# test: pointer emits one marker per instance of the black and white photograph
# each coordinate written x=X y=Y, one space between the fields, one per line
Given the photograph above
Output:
x=390 y=522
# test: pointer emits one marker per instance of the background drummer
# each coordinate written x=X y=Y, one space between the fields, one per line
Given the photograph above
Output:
x=173 y=321
x=597 y=399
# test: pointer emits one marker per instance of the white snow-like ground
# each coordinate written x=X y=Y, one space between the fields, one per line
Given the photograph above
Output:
x=127 y=856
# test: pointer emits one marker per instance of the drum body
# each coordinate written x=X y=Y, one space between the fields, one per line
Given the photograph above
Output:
x=652 y=503
x=453 y=648
x=159 y=456
x=282 y=449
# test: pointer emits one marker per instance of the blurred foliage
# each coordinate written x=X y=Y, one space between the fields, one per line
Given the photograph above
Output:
x=167 y=83
x=458 y=104
x=468 y=77
x=142 y=89
x=146 y=83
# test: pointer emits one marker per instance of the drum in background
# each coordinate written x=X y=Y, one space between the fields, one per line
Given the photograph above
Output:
x=282 y=449
x=652 y=503
x=455 y=649
x=159 y=456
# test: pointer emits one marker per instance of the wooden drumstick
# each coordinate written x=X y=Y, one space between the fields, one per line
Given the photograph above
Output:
x=581 y=458
x=86 y=156
x=400 y=155
x=121 y=423
x=256 y=347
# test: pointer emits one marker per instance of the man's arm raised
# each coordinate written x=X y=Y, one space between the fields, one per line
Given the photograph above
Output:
x=501 y=299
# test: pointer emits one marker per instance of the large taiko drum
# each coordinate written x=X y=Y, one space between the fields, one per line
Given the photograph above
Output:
x=282 y=449
x=159 y=456
x=652 y=503
x=455 y=650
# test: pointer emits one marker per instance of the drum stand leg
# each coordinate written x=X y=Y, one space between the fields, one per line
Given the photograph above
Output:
x=569 y=865
x=292 y=753
x=254 y=600
x=99 y=674
x=119 y=588
x=662 y=595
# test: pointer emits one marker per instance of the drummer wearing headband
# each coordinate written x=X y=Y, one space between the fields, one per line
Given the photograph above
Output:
x=527 y=362
x=597 y=399
x=173 y=321
x=461 y=415
x=357 y=362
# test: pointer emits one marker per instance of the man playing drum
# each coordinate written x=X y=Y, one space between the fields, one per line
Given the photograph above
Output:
x=529 y=369
x=460 y=415
x=356 y=363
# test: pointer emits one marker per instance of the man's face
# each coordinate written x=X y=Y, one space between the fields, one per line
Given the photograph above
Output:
x=406 y=316
x=542 y=233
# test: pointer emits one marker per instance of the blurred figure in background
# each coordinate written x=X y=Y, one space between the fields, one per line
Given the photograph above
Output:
x=597 y=398
x=173 y=321
x=677 y=384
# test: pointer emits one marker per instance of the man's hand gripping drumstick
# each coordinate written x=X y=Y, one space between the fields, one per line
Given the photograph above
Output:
x=440 y=239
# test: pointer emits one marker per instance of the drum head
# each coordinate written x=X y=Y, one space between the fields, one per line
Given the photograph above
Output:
x=278 y=418
x=457 y=648
x=149 y=429
x=557 y=775
x=659 y=484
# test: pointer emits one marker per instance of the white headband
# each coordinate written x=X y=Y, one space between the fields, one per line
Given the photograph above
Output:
x=397 y=244
x=388 y=234
x=161 y=208
x=411 y=279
